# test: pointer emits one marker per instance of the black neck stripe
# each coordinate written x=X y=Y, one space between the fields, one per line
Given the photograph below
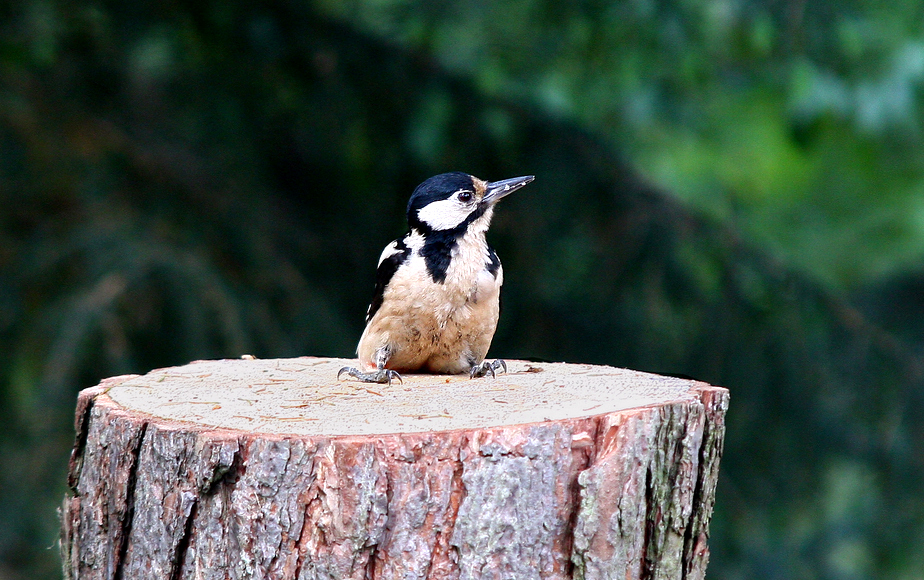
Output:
x=438 y=244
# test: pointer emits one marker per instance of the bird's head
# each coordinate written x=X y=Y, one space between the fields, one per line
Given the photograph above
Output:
x=454 y=202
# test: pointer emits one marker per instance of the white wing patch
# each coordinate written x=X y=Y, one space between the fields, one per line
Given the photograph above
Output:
x=389 y=251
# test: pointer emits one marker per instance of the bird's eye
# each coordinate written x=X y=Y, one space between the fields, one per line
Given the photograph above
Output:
x=465 y=196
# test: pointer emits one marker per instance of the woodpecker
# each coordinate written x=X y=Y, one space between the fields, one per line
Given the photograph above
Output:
x=437 y=289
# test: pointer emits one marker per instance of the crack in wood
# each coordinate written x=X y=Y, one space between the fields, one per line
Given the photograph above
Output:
x=276 y=487
x=300 y=542
x=709 y=453
x=576 y=491
x=370 y=573
x=457 y=494
x=684 y=422
x=646 y=571
x=125 y=522
x=182 y=547
x=226 y=474
x=687 y=555
x=370 y=563
x=82 y=428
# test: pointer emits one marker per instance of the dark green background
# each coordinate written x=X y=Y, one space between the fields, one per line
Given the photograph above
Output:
x=730 y=190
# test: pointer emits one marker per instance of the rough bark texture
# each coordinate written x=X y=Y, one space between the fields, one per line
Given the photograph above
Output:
x=622 y=493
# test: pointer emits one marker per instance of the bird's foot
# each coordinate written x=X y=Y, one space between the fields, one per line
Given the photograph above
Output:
x=488 y=368
x=381 y=376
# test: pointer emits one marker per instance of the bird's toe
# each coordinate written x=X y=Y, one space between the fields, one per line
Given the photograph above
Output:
x=381 y=376
x=488 y=368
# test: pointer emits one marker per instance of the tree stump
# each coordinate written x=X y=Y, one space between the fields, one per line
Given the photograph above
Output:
x=276 y=469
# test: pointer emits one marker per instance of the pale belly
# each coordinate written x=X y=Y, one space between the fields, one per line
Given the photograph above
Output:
x=433 y=328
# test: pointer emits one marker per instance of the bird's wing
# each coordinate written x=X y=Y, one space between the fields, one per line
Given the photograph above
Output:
x=494 y=263
x=395 y=254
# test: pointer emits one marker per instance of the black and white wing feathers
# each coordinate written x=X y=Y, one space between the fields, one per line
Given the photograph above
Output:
x=395 y=254
x=494 y=263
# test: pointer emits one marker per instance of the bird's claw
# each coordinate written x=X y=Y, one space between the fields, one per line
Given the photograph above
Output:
x=488 y=368
x=381 y=376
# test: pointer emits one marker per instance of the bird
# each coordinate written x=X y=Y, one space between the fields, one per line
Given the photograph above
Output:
x=437 y=291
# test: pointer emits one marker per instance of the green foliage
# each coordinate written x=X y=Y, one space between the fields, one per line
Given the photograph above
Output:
x=798 y=122
x=216 y=179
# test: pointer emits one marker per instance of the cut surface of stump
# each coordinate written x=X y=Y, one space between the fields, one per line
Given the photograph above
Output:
x=277 y=469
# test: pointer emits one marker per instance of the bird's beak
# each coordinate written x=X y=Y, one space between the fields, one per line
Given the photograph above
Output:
x=498 y=189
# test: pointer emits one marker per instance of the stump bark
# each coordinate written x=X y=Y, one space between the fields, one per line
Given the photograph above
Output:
x=276 y=469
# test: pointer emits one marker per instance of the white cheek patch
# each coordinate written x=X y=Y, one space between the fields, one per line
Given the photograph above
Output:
x=444 y=214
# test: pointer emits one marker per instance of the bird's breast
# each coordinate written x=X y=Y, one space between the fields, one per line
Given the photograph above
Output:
x=444 y=326
x=465 y=287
